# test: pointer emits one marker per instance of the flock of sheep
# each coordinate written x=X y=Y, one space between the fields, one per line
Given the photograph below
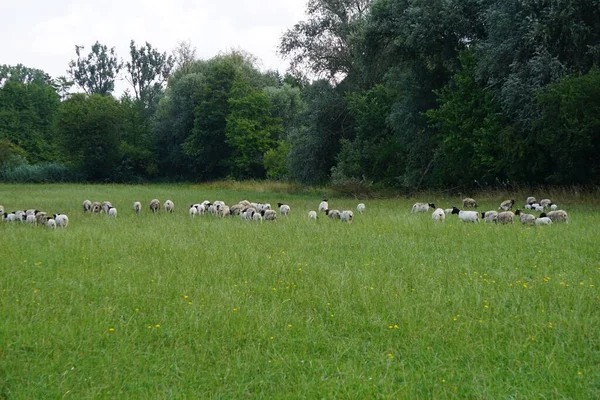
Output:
x=263 y=211
x=503 y=215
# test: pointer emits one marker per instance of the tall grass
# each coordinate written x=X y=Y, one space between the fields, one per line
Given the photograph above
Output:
x=391 y=306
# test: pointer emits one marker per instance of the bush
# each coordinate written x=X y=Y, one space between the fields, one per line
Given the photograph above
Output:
x=48 y=172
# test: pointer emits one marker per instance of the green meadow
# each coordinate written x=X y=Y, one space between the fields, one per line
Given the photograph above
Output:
x=390 y=306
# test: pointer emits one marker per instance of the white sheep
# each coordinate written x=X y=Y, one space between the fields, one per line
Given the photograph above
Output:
x=448 y=211
x=61 y=220
x=537 y=207
x=347 y=216
x=154 y=205
x=438 y=215
x=469 y=203
x=543 y=220
x=96 y=207
x=169 y=206
x=31 y=211
x=466 y=216
x=10 y=217
x=506 y=217
x=1 y=209
x=421 y=207
x=20 y=215
x=51 y=223
x=257 y=216
x=223 y=211
x=284 y=209
x=112 y=212
x=106 y=205
x=237 y=209
x=530 y=200
x=30 y=219
x=360 y=207
x=193 y=211
x=312 y=215
x=490 y=216
x=324 y=205
x=269 y=215
x=333 y=214
x=87 y=206
x=506 y=205
x=137 y=207
x=41 y=218
x=545 y=202
x=526 y=219
x=553 y=207
x=558 y=216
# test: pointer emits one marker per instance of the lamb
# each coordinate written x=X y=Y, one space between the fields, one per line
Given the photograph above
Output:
x=61 y=220
x=137 y=207
x=106 y=205
x=558 y=216
x=347 y=216
x=490 y=216
x=87 y=206
x=193 y=211
x=257 y=216
x=333 y=214
x=530 y=200
x=30 y=219
x=469 y=203
x=169 y=206
x=51 y=223
x=360 y=207
x=553 y=207
x=537 y=207
x=269 y=215
x=20 y=215
x=545 y=202
x=421 y=207
x=543 y=220
x=10 y=217
x=284 y=209
x=448 y=211
x=155 y=206
x=506 y=205
x=96 y=207
x=506 y=217
x=526 y=219
x=323 y=206
x=466 y=216
x=112 y=212
x=438 y=215
x=312 y=215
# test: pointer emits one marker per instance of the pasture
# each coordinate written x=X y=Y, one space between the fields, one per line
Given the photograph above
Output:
x=390 y=306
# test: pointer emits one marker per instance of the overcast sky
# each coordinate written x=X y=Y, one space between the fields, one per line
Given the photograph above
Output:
x=43 y=33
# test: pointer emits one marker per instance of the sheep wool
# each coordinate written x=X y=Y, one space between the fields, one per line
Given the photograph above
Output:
x=312 y=215
x=269 y=215
x=96 y=207
x=543 y=220
x=545 y=202
x=41 y=218
x=1 y=209
x=490 y=216
x=333 y=214
x=169 y=206
x=421 y=207
x=61 y=220
x=137 y=207
x=506 y=205
x=193 y=211
x=87 y=206
x=155 y=205
x=257 y=216
x=466 y=216
x=106 y=205
x=284 y=209
x=112 y=212
x=323 y=206
x=448 y=211
x=526 y=219
x=530 y=200
x=469 y=203
x=360 y=207
x=558 y=216
x=438 y=215
x=506 y=217
x=347 y=216
x=553 y=207
x=51 y=223
x=31 y=219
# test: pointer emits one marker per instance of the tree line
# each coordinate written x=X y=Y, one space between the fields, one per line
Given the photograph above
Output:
x=387 y=93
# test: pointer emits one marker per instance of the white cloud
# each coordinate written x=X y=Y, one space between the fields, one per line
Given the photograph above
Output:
x=43 y=34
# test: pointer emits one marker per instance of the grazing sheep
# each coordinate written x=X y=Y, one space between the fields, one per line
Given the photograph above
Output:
x=263 y=207
x=31 y=212
x=155 y=206
x=448 y=211
x=347 y=216
x=438 y=215
x=10 y=217
x=169 y=206
x=526 y=219
x=421 y=207
x=490 y=216
x=257 y=216
x=333 y=214
x=553 y=207
x=506 y=205
x=360 y=207
x=61 y=220
x=1 y=209
x=284 y=209
x=87 y=206
x=112 y=212
x=530 y=200
x=237 y=209
x=469 y=203
x=51 y=223
x=537 y=207
x=506 y=217
x=323 y=206
x=201 y=209
x=193 y=211
x=545 y=202
x=558 y=216
x=96 y=207
x=466 y=216
x=312 y=215
x=269 y=215
x=31 y=219
x=137 y=207
x=41 y=218
x=543 y=220
x=245 y=203
x=223 y=211
x=212 y=209
x=106 y=205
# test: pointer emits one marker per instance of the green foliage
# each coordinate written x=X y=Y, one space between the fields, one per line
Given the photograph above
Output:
x=95 y=73
x=46 y=172
x=568 y=130
x=90 y=132
x=275 y=161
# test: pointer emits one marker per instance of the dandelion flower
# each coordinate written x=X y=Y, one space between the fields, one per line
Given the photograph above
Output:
x=111 y=329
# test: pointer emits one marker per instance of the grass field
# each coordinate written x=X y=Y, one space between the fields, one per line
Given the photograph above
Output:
x=391 y=306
